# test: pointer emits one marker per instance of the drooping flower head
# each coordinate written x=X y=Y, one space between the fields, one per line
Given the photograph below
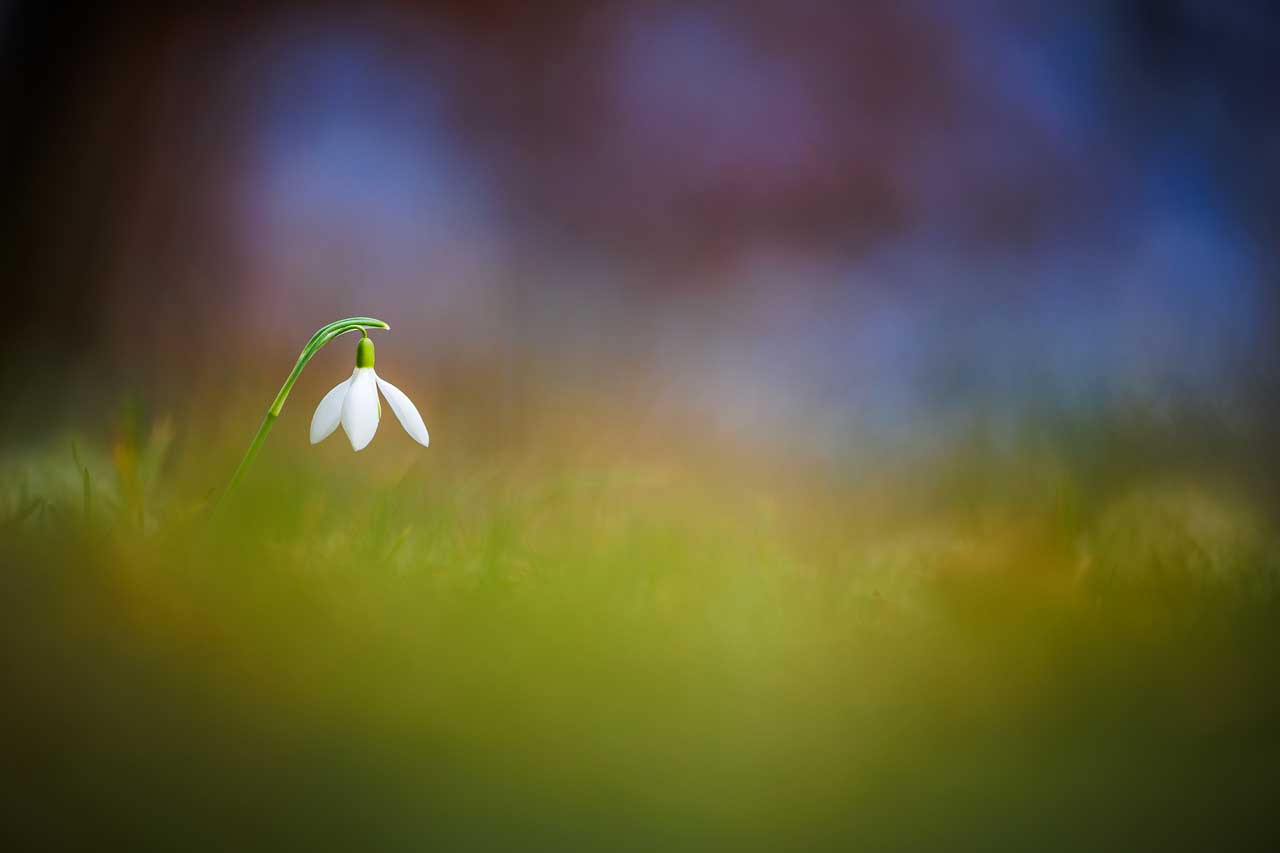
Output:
x=354 y=404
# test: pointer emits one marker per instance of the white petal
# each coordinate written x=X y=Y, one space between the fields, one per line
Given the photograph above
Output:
x=329 y=412
x=406 y=412
x=360 y=409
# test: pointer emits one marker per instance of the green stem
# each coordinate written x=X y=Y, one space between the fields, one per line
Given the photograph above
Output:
x=322 y=336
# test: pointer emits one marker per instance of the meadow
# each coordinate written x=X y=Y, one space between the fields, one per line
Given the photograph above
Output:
x=559 y=631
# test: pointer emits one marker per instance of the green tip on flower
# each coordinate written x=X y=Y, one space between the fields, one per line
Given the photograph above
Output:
x=364 y=352
x=323 y=335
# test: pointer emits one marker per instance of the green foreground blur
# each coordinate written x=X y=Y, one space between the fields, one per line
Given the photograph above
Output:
x=580 y=648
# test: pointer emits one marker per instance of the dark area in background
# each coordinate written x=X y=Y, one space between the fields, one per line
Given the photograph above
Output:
x=1171 y=104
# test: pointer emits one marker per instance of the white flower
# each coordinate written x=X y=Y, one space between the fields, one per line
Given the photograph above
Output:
x=354 y=404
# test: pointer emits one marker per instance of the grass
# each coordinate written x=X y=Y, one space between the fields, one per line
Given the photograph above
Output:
x=601 y=643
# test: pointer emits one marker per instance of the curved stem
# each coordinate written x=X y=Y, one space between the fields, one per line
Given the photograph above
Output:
x=322 y=336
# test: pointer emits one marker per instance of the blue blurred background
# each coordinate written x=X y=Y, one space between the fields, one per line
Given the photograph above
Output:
x=811 y=227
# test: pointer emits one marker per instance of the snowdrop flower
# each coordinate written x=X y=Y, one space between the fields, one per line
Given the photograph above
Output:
x=354 y=404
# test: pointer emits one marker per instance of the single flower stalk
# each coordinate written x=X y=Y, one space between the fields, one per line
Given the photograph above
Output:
x=354 y=403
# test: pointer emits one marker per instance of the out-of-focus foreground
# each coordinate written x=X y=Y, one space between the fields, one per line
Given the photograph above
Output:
x=604 y=644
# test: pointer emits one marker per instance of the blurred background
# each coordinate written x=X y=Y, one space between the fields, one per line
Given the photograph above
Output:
x=849 y=422
x=821 y=230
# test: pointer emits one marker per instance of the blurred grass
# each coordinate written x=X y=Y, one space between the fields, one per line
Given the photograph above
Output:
x=601 y=642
